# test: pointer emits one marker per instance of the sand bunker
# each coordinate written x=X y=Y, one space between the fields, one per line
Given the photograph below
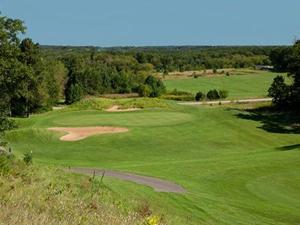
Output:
x=117 y=108
x=79 y=133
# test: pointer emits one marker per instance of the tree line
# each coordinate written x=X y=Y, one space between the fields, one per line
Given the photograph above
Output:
x=33 y=78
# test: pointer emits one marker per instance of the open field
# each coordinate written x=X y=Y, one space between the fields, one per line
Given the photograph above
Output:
x=243 y=84
x=237 y=167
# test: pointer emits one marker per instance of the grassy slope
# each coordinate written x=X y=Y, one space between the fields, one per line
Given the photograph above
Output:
x=234 y=171
x=47 y=195
x=239 y=86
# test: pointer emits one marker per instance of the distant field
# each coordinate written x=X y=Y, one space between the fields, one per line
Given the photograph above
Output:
x=250 y=85
x=236 y=167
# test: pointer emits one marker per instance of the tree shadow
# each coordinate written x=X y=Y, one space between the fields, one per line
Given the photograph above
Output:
x=272 y=120
x=289 y=147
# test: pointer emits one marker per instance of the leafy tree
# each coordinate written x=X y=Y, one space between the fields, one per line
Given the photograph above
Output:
x=288 y=96
x=199 y=96
x=156 y=85
x=279 y=91
x=74 y=93
x=213 y=95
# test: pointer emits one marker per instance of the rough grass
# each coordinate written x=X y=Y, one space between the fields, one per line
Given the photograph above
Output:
x=235 y=169
x=239 y=86
x=105 y=103
x=38 y=195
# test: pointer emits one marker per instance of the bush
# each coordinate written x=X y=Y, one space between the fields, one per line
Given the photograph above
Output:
x=223 y=94
x=144 y=90
x=27 y=158
x=213 y=94
x=179 y=97
x=199 y=96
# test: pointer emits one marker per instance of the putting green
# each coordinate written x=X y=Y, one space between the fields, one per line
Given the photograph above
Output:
x=130 y=119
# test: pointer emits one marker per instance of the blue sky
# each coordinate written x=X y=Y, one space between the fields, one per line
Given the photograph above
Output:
x=157 y=22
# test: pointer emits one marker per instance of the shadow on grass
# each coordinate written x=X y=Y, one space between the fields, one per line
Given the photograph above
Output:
x=271 y=120
x=289 y=147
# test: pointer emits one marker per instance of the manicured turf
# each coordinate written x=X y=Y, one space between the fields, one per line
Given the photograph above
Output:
x=239 y=86
x=235 y=171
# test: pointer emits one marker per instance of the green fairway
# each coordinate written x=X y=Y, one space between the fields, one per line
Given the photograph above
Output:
x=235 y=172
x=252 y=85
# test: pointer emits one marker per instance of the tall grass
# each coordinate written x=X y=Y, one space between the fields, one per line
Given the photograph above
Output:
x=37 y=195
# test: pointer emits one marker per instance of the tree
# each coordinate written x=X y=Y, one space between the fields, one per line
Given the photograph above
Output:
x=279 y=91
x=288 y=96
x=74 y=93
x=213 y=94
x=199 y=96
x=156 y=85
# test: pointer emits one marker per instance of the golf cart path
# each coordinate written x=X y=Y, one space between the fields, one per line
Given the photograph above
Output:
x=157 y=184
x=227 y=101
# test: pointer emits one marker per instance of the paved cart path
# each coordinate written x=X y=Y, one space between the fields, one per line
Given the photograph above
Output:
x=159 y=185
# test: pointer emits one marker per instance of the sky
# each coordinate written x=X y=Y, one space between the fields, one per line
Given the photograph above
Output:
x=157 y=22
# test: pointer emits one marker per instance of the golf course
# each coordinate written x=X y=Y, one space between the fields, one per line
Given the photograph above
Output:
x=149 y=113
x=234 y=168
x=243 y=84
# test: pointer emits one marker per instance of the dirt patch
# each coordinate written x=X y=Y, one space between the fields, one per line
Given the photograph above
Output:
x=158 y=185
x=117 y=108
x=79 y=133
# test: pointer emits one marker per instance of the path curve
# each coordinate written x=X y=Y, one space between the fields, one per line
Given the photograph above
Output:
x=157 y=184
x=227 y=101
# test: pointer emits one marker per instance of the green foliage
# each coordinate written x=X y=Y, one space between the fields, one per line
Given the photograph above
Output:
x=213 y=94
x=27 y=158
x=280 y=92
x=199 y=96
x=288 y=96
x=26 y=84
x=144 y=90
x=74 y=93
x=4 y=164
x=156 y=86
x=105 y=103
x=223 y=94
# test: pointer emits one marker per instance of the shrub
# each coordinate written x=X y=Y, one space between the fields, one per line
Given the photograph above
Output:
x=27 y=158
x=199 y=96
x=4 y=164
x=223 y=94
x=144 y=90
x=213 y=94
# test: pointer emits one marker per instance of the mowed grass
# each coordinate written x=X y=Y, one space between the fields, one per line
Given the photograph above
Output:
x=234 y=171
x=252 y=85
